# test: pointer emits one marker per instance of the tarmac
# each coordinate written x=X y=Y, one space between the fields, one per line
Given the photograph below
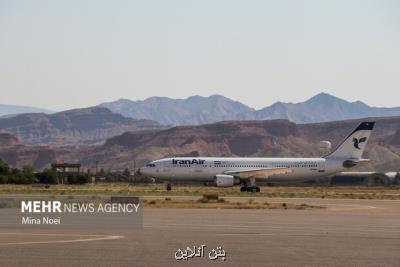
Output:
x=346 y=233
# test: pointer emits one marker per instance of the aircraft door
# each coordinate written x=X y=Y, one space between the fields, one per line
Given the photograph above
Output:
x=321 y=167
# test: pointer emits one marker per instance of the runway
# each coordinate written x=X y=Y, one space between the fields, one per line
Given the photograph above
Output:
x=346 y=233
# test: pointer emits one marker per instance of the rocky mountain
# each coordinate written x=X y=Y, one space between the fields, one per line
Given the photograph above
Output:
x=198 y=110
x=321 y=108
x=18 y=155
x=11 y=110
x=194 y=110
x=73 y=127
x=8 y=140
x=269 y=138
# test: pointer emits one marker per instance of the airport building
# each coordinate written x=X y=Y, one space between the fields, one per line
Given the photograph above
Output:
x=65 y=171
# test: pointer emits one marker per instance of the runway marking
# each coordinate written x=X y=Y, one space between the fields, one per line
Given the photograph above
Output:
x=313 y=234
x=245 y=234
x=93 y=238
x=348 y=207
x=289 y=229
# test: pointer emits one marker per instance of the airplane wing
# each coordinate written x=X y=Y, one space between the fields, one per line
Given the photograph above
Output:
x=262 y=173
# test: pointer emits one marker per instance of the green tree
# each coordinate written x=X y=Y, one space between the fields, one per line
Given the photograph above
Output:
x=4 y=168
x=47 y=177
x=15 y=176
x=24 y=176
x=28 y=174
x=126 y=173
x=3 y=179
x=83 y=178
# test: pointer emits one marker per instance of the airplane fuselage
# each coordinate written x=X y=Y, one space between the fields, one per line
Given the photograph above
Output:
x=205 y=169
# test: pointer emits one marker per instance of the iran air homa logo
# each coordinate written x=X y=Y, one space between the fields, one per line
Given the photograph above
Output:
x=357 y=142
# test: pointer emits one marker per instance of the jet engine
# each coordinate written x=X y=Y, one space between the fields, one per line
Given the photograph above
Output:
x=223 y=180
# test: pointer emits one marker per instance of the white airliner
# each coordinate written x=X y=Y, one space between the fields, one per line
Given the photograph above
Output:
x=226 y=172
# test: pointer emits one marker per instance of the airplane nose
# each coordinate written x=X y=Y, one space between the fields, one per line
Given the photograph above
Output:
x=142 y=171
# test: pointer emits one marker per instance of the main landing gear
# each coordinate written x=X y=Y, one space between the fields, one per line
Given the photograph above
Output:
x=168 y=187
x=250 y=186
x=252 y=189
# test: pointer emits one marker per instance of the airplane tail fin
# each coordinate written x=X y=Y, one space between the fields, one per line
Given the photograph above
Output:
x=353 y=146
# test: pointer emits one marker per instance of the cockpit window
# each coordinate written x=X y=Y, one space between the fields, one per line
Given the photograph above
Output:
x=151 y=165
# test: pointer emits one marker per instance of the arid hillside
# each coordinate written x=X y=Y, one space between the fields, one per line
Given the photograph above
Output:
x=73 y=127
x=269 y=138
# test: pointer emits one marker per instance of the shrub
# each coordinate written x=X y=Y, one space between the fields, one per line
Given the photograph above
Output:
x=26 y=176
x=47 y=177
x=83 y=178
x=203 y=200
x=4 y=168
x=3 y=179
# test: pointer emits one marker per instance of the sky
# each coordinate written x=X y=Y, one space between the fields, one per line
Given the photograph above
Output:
x=78 y=53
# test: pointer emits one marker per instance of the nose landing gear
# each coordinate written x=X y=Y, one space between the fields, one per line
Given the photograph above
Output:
x=168 y=187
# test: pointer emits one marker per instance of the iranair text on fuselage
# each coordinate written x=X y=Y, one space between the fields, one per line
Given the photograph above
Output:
x=188 y=161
